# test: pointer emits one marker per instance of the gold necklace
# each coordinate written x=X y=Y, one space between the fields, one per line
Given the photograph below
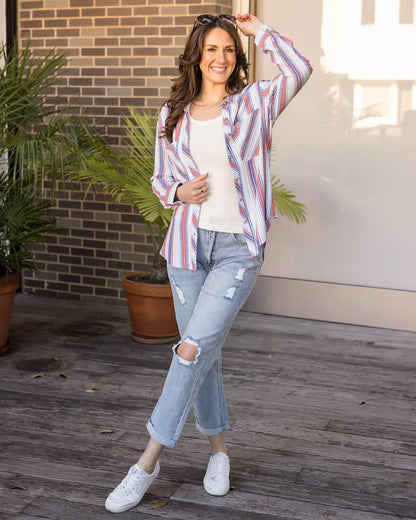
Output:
x=206 y=106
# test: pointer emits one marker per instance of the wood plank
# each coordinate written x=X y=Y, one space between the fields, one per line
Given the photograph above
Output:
x=13 y=501
x=58 y=509
x=281 y=507
x=301 y=445
x=394 y=488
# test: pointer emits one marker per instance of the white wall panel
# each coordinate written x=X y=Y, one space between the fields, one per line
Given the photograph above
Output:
x=350 y=158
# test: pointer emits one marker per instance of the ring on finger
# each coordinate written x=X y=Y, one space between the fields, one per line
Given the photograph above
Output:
x=201 y=190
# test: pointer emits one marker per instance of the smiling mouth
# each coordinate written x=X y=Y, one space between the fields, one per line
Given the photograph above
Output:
x=219 y=69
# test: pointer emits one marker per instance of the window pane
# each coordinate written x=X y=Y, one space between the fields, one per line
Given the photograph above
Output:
x=376 y=100
x=368 y=12
x=406 y=11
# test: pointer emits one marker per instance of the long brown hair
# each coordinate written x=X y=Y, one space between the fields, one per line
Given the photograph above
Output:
x=188 y=84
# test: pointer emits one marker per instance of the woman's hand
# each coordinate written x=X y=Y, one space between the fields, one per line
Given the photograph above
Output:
x=248 y=24
x=194 y=191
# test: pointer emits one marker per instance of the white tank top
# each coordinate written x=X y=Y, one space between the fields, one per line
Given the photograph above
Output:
x=208 y=149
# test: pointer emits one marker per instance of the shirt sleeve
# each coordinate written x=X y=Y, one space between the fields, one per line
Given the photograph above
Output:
x=293 y=70
x=163 y=182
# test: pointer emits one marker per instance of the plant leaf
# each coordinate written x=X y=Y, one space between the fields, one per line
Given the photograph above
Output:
x=286 y=204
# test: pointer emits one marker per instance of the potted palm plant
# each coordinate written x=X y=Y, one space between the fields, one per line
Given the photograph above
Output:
x=149 y=295
x=39 y=144
x=127 y=179
x=25 y=219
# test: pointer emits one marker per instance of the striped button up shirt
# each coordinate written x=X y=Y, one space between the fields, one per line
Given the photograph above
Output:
x=248 y=118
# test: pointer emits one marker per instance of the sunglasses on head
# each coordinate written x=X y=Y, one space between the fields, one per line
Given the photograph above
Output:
x=204 y=19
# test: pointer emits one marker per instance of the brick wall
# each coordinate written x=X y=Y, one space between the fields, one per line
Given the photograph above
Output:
x=122 y=53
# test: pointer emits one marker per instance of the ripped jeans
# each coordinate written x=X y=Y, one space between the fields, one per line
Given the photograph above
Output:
x=206 y=302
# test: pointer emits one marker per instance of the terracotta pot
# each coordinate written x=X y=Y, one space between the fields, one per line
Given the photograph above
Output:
x=151 y=311
x=7 y=293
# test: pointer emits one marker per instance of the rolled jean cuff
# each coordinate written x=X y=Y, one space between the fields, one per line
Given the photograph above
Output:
x=169 y=443
x=213 y=431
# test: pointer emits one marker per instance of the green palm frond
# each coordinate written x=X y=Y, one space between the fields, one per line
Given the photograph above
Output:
x=149 y=206
x=25 y=219
x=128 y=178
x=40 y=138
x=39 y=141
x=286 y=204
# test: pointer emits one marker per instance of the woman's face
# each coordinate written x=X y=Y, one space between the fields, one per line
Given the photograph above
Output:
x=218 y=57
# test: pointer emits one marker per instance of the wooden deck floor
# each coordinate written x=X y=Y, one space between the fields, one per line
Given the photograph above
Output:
x=323 y=419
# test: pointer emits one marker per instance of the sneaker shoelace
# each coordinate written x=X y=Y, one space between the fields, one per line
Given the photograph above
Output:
x=130 y=481
x=220 y=467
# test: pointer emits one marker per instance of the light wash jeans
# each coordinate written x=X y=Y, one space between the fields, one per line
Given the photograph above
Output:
x=206 y=303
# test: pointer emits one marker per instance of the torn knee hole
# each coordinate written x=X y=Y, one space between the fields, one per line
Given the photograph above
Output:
x=187 y=352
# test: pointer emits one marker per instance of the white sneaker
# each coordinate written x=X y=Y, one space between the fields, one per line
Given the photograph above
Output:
x=131 y=489
x=216 y=480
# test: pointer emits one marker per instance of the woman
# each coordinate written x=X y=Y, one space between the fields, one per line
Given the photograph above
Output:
x=212 y=166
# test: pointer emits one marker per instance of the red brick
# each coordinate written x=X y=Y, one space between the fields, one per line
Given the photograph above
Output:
x=92 y=52
x=134 y=102
x=132 y=82
x=106 y=22
x=104 y=42
x=168 y=71
x=37 y=43
x=133 y=2
x=106 y=101
x=81 y=3
x=143 y=30
x=68 y=32
x=31 y=5
x=107 y=82
x=80 y=22
x=143 y=92
x=31 y=23
x=174 y=31
x=96 y=111
x=118 y=72
x=141 y=20
x=208 y=8
x=133 y=62
x=42 y=33
x=92 y=13
x=145 y=71
x=119 y=11
x=145 y=51
x=184 y=20
x=107 y=62
x=56 y=23
x=107 y=2
x=145 y=11
x=119 y=31
x=93 y=91
x=93 y=71
x=159 y=42
x=159 y=20
x=57 y=42
x=67 y=13
x=132 y=41
x=119 y=51
x=43 y=13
